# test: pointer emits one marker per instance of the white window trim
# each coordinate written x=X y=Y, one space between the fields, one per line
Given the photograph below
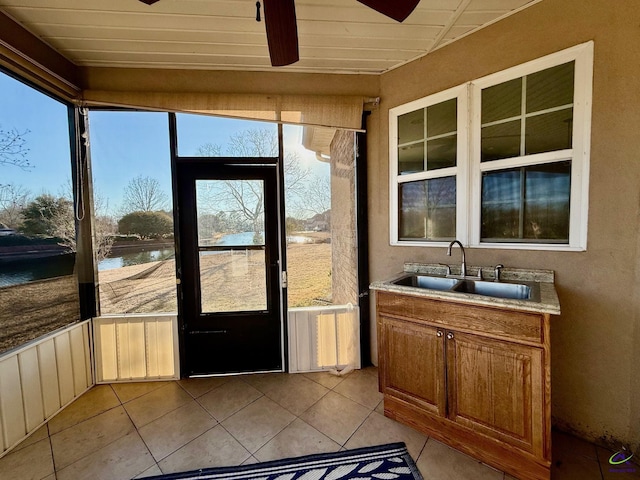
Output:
x=460 y=170
x=469 y=168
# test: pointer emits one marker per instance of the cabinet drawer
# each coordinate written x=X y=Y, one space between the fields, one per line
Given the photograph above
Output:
x=484 y=320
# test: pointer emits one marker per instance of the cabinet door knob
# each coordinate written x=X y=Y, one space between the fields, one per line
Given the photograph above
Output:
x=439 y=333
x=449 y=336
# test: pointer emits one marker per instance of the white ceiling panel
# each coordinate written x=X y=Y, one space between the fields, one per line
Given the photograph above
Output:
x=340 y=36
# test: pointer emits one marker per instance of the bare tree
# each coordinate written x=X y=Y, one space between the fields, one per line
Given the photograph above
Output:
x=13 y=149
x=244 y=198
x=13 y=201
x=104 y=226
x=318 y=196
x=144 y=194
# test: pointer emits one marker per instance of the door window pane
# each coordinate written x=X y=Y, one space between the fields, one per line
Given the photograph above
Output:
x=427 y=209
x=233 y=281
x=230 y=213
x=528 y=203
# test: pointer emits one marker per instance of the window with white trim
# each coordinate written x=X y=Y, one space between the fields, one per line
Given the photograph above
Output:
x=429 y=157
x=506 y=169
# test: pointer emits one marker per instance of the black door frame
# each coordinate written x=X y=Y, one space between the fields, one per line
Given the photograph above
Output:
x=220 y=167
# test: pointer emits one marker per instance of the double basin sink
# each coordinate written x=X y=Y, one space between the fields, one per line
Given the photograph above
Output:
x=500 y=289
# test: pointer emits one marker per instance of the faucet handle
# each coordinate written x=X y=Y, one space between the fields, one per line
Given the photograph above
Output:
x=496 y=272
x=447 y=267
x=480 y=273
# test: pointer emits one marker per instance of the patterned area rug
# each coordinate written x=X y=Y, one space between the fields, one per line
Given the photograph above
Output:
x=383 y=462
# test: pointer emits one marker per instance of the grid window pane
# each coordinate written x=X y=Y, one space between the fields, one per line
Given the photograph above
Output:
x=411 y=158
x=427 y=209
x=442 y=118
x=441 y=152
x=411 y=127
x=502 y=101
x=549 y=132
x=528 y=203
x=550 y=88
x=500 y=141
x=546 y=202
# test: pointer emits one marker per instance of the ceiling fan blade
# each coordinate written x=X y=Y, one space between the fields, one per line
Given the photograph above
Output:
x=149 y=2
x=396 y=9
x=282 y=31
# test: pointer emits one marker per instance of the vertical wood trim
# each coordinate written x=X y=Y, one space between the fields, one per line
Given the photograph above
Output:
x=65 y=368
x=39 y=379
x=11 y=406
x=136 y=348
x=31 y=388
x=323 y=338
x=49 y=377
x=78 y=360
x=152 y=341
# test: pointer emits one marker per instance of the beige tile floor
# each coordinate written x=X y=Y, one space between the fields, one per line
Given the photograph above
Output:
x=124 y=431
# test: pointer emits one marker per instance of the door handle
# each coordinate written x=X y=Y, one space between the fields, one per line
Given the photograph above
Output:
x=450 y=336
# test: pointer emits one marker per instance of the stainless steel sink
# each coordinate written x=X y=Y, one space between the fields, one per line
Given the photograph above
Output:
x=500 y=289
x=517 y=291
x=427 y=281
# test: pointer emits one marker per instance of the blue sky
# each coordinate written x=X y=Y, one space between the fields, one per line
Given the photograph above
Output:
x=123 y=144
x=23 y=108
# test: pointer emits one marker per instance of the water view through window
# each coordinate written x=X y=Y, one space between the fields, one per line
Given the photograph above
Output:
x=38 y=288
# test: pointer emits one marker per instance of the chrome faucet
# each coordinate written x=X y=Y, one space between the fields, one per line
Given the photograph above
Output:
x=463 y=268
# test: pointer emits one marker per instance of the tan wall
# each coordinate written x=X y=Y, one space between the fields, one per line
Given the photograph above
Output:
x=344 y=253
x=595 y=342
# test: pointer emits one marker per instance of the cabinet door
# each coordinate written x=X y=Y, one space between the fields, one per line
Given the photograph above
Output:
x=496 y=388
x=412 y=363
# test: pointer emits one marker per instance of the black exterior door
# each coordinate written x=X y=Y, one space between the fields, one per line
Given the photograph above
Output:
x=231 y=311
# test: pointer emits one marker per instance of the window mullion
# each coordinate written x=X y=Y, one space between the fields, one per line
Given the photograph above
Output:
x=523 y=117
x=522 y=196
x=424 y=141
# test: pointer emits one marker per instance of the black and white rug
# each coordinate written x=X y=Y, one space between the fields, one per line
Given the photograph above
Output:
x=383 y=462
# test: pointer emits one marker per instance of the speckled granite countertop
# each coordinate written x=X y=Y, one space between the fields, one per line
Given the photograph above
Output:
x=548 y=302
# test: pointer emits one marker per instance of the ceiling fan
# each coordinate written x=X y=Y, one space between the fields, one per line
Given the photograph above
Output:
x=282 y=31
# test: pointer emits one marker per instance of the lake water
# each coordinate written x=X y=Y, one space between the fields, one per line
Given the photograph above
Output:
x=137 y=258
x=23 y=271
x=16 y=273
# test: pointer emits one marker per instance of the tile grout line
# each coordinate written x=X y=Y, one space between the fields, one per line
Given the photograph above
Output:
x=53 y=459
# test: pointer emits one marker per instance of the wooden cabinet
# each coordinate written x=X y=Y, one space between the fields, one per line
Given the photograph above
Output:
x=474 y=377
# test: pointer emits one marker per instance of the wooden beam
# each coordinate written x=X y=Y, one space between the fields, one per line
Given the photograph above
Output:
x=23 y=53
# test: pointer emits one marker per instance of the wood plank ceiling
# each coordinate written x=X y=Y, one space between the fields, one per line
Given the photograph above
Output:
x=335 y=36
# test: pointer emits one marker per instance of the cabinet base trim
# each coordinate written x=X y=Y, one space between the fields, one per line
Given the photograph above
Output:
x=506 y=458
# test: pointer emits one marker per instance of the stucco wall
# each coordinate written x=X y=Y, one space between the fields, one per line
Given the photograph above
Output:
x=596 y=357
x=344 y=261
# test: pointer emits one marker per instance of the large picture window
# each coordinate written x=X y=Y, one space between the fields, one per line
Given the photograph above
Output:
x=519 y=173
x=38 y=283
